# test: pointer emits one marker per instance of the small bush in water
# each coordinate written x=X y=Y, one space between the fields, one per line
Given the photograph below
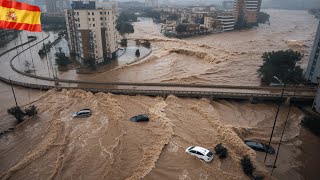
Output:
x=221 y=151
x=247 y=166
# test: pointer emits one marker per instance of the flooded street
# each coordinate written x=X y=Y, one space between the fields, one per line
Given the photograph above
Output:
x=108 y=146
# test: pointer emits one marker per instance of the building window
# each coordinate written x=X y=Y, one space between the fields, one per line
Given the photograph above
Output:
x=77 y=13
x=89 y=19
x=101 y=24
x=105 y=12
x=88 y=13
x=92 y=13
x=78 y=25
x=101 y=18
x=92 y=19
x=93 y=25
x=100 y=12
x=108 y=12
x=105 y=18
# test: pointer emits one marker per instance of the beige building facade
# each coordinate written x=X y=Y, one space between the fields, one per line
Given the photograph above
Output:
x=92 y=33
x=247 y=10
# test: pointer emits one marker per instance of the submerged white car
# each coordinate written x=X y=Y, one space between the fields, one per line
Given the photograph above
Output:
x=200 y=152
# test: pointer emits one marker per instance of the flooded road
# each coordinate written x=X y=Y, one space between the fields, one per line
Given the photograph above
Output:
x=107 y=145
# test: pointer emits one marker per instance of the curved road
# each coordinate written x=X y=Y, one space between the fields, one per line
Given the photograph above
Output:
x=13 y=57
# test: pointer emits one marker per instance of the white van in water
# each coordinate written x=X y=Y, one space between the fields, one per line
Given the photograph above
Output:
x=200 y=152
x=82 y=113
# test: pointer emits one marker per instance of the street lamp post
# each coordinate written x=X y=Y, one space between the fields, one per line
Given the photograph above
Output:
x=275 y=119
x=283 y=130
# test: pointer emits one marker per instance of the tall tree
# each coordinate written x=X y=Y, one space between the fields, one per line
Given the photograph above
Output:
x=124 y=23
x=263 y=17
x=181 y=28
x=281 y=64
x=61 y=58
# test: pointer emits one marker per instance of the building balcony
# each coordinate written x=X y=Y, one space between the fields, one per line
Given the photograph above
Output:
x=228 y=26
x=251 y=7
x=227 y=23
x=228 y=29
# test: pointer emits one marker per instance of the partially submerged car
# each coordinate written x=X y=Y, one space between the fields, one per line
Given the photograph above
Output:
x=140 y=118
x=260 y=147
x=200 y=152
x=82 y=113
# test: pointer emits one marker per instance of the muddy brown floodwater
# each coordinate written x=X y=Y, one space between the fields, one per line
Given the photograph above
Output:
x=108 y=146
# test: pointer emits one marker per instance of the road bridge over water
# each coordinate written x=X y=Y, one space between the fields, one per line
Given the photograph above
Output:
x=296 y=93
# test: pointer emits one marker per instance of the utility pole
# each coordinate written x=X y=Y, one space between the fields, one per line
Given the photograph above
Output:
x=14 y=95
x=275 y=119
x=283 y=130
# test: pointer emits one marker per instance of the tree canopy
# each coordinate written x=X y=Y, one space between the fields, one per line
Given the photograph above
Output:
x=127 y=17
x=124 y=42
x=263 y=17
x=125 y=28
x=181 y=28
x=281 y=64
x=124 y=23
x=61 y=58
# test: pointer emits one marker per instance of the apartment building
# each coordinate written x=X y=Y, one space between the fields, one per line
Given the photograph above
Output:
x=247 y=10
x=107 y=4
x=152 y=3
x=219 y=22
x=313 y=70
x=92 y=32
x=226 y=22
x=208 y=22
x=57 y=5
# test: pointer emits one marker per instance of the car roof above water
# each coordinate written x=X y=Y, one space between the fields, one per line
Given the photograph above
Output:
x=200 y=149
x=85 y=111
x=255 y=144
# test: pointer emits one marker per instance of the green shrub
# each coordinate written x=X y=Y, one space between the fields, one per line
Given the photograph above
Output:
x=247 y=166
x=312 y=123
x=17 y=113
x=146 y=44
x=31 y=111
x=221 y=151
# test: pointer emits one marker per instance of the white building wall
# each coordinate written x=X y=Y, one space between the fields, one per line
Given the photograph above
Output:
x=313 y=69
x=227 y=22
x=208 y=22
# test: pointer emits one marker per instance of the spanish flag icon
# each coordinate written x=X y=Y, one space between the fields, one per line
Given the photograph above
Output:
x=19 y=16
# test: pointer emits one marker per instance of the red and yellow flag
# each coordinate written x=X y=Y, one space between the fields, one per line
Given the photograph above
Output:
x=19 y=16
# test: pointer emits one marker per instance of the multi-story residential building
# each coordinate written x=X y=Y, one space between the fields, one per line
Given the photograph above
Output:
x=208 y=22
x=57 y=5
x=247 y=10
x=226 y=21
x=107 y=4
x=220 y=23
x=152 y=3
x=313 y=70
x=92 y=33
